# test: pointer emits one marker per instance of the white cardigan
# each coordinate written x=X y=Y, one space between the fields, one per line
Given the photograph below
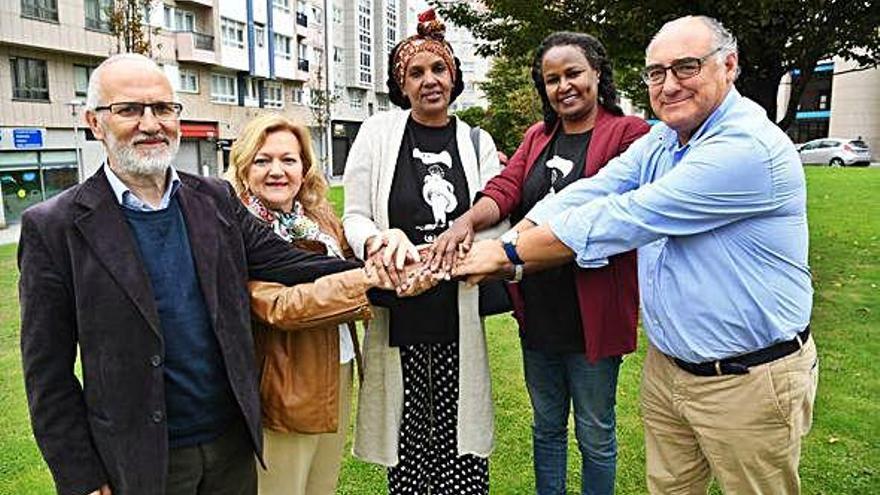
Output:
x=369 y=172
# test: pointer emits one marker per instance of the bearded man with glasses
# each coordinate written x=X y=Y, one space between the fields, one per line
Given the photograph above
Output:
x=714 y=199
x=142 y=269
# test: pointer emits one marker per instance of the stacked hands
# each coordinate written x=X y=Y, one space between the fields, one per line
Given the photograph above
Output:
x=394 y=263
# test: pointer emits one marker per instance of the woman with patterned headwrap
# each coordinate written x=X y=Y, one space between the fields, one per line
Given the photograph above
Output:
x=425 y=407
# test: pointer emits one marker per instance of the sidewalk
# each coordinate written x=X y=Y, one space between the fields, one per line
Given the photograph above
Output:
x=9 y=235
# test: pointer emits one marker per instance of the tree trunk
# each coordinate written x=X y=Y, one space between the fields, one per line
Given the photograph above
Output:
x=797 y=90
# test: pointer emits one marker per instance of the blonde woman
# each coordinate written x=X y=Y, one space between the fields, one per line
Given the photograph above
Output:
x=304 y=337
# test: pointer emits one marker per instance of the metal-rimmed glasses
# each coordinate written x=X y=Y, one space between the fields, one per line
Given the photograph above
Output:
x=133 y=110
x=683 y=68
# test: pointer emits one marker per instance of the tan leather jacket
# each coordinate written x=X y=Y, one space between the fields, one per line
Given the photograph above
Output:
x=297 y=342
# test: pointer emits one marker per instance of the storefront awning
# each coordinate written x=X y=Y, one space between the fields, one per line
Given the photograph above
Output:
x=199 y=130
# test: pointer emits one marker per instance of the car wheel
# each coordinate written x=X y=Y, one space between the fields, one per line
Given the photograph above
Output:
x=836 y=162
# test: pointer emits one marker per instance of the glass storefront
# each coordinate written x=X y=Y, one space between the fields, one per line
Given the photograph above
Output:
x=28 y=177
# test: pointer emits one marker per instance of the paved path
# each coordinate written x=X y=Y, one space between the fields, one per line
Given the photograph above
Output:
x=9 y=235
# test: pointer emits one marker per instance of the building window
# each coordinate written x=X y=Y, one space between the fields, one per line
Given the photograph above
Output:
x=184 y=21
x=224 y=89
x=252 y=91
x=337 y=54
x=44 y=10
x=259 y=34
x=317 y=15
x=303 y=57
x=274 y=95
x=233 y=32
x=382 y=100
x=189 y=81
x=296 y=95
x=356 y=97
x=30 y=79
x=282 y=46
x=81 y=75
x=391 y=25
x=98 y=14
x=337 y=15
x=168 y=18
x=365 y=41
x=283 y=5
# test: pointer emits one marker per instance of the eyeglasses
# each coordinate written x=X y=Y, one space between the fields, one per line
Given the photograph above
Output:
x=133 y=110
x=683 y=68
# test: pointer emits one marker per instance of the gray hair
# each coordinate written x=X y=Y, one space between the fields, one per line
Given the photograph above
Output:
x=93 y=98
x=721 y=37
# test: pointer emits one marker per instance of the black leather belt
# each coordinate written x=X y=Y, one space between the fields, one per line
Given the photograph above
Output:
x=739 y=365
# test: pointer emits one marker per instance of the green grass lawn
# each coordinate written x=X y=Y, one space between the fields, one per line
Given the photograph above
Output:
x=840 y=455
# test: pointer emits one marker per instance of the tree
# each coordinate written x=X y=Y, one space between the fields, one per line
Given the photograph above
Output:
x=129 y=24
x=775 y=36
x=473 y=116
x=321 y=101
x=513 y=102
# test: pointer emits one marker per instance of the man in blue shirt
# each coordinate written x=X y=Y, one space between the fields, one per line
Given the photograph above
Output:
x=714 y=199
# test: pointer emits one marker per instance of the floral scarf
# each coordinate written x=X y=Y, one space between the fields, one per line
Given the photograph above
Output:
x=292 y=226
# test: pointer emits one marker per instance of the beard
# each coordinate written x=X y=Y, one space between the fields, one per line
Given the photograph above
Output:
x=132 y=161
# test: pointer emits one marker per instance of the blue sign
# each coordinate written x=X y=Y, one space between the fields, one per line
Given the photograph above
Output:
x=27 y=138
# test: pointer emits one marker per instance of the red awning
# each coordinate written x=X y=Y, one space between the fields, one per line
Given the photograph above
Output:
x=199 y=130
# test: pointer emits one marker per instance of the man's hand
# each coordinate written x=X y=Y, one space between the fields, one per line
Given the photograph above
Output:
x=486 y=259
x=104 y=490
x=452 y=244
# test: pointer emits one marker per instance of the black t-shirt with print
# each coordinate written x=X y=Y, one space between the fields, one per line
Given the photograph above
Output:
x=428 y=192
x=552 y=314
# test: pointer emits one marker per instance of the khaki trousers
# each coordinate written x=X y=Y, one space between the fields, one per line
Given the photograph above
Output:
x=307 y=464
x=745 y=430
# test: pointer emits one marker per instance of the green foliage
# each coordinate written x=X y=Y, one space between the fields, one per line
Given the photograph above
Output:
x=473 y=116
x=513 y=102
x=775 y=36
x=838 y=455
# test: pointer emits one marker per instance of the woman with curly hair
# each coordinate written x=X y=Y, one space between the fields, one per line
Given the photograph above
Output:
x=425 y=406
x=575 y=324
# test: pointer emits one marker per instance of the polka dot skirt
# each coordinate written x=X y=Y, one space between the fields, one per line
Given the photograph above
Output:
x=429 y=460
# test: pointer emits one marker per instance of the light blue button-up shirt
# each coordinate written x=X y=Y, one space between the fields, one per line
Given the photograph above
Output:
x=720 y=225
x=127 y=199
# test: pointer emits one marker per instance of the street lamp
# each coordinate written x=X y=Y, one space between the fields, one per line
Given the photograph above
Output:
x=74 y=112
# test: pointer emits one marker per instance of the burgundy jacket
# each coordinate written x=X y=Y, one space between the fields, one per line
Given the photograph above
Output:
x=608 y=296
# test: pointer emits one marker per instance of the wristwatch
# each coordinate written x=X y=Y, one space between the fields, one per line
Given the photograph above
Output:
x=508 y=242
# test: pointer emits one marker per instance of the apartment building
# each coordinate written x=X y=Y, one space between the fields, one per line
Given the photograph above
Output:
x=229 y=60
x=361 y=35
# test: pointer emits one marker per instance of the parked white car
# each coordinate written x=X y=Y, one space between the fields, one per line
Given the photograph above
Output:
x=835 y=152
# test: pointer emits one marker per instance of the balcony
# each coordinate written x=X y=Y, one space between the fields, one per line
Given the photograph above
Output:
x=203 y=3
x=303 y=65
x=302 y=19
x=195 y=47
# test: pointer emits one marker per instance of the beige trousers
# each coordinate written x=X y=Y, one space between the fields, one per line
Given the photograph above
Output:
x=743 y=430
x=307 y=464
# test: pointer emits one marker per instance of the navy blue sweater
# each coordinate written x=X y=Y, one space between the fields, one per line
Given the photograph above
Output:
x=198 y=398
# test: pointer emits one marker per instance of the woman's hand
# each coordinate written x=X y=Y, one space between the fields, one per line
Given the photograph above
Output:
x=377 y=276
x=419 y=280
x=392 y=250
x=452 y=244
